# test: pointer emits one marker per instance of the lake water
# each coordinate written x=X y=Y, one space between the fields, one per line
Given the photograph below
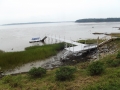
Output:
x=17 y=37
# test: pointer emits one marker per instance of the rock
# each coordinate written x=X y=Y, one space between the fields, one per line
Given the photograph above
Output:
x=31 y=64
x=1 y=74
x=94 y=57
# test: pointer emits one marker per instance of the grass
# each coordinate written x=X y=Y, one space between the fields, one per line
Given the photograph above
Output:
x=9 y=60
x=116 y=42
x=90 y=41
x=94 y=41
x=109 y=80
x=48 y=82
x=1 y=51
x=115 y=35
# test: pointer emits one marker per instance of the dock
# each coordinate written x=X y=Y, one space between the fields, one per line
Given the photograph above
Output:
x=76 y=47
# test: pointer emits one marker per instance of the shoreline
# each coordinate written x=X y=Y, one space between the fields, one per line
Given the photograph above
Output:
x=56 y=61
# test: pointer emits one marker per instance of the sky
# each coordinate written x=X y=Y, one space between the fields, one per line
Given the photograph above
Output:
x=21 y=11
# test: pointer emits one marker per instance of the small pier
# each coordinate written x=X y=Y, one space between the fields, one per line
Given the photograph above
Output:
x=76 y=47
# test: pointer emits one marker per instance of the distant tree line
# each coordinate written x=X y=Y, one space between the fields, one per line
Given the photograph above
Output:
x=99 y=20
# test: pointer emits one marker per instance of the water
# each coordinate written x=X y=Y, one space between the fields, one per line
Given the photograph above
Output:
x=17 y=37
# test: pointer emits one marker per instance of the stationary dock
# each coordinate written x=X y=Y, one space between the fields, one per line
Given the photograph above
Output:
x=79 y=47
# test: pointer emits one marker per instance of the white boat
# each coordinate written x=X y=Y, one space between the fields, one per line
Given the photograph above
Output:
x=36 y=39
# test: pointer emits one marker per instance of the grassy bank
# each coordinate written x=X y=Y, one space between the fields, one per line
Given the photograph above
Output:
x=115 y=35
x=90 y=41
x=108 y=80
x=10 y=60
x=95 y=41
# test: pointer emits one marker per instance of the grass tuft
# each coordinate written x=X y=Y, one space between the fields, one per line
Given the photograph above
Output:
x=9 y=60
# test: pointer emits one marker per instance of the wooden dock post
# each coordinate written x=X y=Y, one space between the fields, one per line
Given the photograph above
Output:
x=69 y=44
x=72 y=43
x=98 y=47
x=85 y=41
x=64 y=41
x=59 y=38
x=48 y=39
x=51 y=39
x=55 y=39
x=73 y=46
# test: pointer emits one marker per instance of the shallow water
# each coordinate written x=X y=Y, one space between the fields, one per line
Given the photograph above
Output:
x=17 y=37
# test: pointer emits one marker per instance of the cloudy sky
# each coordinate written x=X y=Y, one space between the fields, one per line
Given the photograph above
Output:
x=15 y=11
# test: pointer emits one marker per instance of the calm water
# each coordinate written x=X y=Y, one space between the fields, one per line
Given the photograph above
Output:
x=17 y=37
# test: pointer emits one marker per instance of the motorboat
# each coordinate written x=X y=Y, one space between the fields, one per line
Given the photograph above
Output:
x=36 y=39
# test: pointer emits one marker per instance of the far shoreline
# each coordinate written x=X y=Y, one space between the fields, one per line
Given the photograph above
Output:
x=88 y=20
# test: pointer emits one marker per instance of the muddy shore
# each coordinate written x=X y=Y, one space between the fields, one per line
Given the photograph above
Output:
x=68 y=58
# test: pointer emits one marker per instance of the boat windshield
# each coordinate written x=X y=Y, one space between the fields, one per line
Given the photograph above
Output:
x=36 y=38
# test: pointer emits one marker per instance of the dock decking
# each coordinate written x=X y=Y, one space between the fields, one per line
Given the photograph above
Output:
x=79 y=46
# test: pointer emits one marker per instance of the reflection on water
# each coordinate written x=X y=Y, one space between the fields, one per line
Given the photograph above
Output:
x=17 y=37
